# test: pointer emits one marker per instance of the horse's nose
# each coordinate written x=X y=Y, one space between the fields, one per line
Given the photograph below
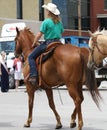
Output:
x=16 y=55
x=90 y=66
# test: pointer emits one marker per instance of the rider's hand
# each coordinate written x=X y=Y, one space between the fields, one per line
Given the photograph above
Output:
x=35 y=44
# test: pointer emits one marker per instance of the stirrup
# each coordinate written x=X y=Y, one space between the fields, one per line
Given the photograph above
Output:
x=33 y=80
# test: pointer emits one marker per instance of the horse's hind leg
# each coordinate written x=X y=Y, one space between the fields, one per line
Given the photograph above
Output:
x=52 y=106
x=73 y=118
x=76 y=93
x=30 y=91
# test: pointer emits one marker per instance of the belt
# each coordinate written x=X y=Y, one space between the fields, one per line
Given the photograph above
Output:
x=51 y=40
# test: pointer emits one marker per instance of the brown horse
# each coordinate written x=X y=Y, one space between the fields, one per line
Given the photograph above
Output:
x=98 y=48
x=66 y=66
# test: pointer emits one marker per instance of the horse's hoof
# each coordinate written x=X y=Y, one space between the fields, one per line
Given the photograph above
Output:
x=26 y=125
x=72 y=125
x=58 y=126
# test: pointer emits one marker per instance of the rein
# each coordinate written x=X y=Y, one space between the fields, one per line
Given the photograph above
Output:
x=94 y=39
x=100 y=50
x=28 y=49
x=93 y=61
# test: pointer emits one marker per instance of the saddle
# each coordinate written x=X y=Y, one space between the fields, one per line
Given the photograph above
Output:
x=48 y=52
x=43 y=57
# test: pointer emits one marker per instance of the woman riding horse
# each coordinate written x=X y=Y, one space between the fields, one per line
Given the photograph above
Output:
x=67 y=65
x=52 y=29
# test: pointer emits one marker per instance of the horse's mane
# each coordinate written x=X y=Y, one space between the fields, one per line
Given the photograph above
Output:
x=28 y=33
x=98 y=31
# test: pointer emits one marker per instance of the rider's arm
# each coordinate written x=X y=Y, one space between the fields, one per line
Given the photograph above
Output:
x=37 y=37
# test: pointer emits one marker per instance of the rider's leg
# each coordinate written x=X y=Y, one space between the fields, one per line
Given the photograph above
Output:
x=32 y=57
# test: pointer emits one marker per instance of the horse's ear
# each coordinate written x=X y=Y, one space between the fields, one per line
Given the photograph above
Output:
x=90 y=33
x=17 y=30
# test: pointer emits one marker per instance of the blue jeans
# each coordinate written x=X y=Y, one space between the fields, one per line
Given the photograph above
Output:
x=34 y=54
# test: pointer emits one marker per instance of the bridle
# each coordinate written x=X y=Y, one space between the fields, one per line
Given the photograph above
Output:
x=95 y=44
x=25 y=51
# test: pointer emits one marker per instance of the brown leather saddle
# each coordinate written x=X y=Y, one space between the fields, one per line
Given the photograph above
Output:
x=48 y=52
x=45 y=56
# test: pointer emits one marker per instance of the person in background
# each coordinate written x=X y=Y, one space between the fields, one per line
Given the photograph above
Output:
x=17 y=65
x=52 y=28
x=4 y=73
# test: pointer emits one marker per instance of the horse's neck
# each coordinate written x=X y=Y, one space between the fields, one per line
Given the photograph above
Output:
x=27 y=44
x=103 y=47
x=26 y=54
x=26 y=49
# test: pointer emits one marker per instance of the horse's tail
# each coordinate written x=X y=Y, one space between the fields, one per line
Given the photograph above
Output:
x=92 y=86
x=90 y=80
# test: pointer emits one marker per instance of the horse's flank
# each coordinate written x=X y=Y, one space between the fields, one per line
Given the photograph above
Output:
x=56 y=66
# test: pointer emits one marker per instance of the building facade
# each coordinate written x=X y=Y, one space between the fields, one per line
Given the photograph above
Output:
x=8 y=10
x=98 y=14
x=78 y=16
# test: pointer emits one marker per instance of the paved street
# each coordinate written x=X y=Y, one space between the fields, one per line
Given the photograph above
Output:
x=13 y=111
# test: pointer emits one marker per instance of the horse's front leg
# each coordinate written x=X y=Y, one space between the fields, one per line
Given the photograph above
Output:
x=30 y=91
x=52 y=106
